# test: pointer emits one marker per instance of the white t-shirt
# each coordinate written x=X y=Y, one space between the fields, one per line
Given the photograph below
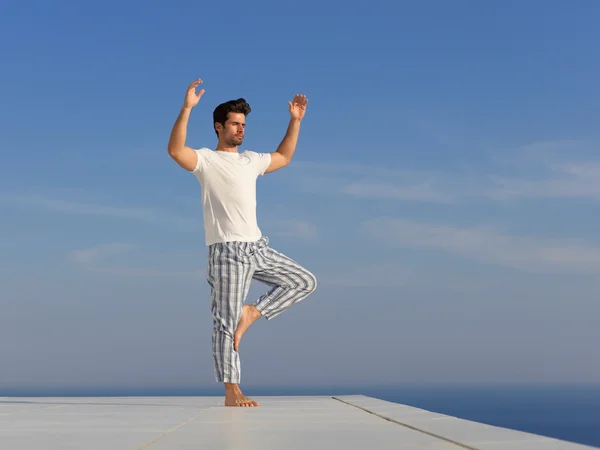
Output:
x=228 y=181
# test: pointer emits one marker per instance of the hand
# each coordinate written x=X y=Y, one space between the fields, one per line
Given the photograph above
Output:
x=191 y=98
x=298 y=106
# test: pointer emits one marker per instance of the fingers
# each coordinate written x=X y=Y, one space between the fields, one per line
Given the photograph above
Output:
x=192 y=88
x=194 y=83
x=300 y=99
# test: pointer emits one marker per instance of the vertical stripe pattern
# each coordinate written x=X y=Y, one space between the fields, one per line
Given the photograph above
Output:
x=231 y=268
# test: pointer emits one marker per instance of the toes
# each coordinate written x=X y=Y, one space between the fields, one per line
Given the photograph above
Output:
x=243 y=402
x=249 y=402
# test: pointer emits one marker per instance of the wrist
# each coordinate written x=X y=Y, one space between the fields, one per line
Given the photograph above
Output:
x=185 y=110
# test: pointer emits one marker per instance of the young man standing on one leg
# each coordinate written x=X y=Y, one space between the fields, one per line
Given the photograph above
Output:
x=237 y=251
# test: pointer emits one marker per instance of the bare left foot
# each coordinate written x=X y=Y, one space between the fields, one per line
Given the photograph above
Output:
x=234 y=397
x=249 y=315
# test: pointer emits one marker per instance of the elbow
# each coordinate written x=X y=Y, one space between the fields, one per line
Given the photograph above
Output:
x=174 y=147
x=286 y=159
x=284 y=162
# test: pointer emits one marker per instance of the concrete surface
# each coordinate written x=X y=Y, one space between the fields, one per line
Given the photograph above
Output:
x=281 y=423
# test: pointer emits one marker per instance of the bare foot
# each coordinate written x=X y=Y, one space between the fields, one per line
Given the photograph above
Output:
x=249 y=315
x=234 y=397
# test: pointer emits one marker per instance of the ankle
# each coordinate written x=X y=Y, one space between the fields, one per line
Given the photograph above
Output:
x=255 y=313
x=231 y=387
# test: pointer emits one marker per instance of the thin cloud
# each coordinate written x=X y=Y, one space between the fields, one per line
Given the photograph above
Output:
x=486 y=244
x=98 y=253
x=563 y=181
x=544 y=170
x=544 y=153
x=370 y=276
x=415 y=192
x=87 y=209
x=370 y=182
x=142 y=272
x=292 y=228
x=405 y=277
x=96 y=259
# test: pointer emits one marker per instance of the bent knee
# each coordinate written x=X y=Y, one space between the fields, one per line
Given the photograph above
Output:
x=311 y=283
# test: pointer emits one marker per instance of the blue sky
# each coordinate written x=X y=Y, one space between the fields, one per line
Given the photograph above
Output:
x=444 y=191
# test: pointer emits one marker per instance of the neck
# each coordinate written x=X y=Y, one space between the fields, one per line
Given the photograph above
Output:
x=226 y=148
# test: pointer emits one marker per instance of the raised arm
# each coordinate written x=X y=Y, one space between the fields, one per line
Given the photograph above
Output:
x=185 y=156
x=283 y=155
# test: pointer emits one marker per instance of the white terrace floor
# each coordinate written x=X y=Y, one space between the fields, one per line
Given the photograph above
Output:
x=280 y=423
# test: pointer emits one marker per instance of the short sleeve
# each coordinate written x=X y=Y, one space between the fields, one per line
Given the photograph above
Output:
x=261 y=161
x=201 y=162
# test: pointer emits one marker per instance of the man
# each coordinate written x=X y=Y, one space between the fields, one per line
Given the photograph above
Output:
x=237 y=251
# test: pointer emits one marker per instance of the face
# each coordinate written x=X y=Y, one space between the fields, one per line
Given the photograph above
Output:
x=233 y=131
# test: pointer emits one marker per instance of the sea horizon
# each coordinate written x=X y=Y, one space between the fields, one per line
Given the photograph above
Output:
x=280 y=389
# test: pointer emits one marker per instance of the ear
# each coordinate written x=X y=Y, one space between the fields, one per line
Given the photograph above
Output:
x=218 y=127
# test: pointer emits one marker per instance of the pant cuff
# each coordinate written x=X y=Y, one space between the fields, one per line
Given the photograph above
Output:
x=227 y=380
x=261 y=308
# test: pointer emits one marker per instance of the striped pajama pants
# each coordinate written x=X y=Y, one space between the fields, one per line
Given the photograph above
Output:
x=231 y=268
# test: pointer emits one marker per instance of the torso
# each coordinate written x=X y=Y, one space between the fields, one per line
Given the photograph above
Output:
x=229 y=194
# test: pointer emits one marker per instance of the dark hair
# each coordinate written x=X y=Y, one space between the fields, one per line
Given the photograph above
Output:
x=221 y=112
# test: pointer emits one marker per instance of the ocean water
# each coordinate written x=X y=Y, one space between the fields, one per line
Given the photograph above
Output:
x=567 y=413
x=570 y=413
